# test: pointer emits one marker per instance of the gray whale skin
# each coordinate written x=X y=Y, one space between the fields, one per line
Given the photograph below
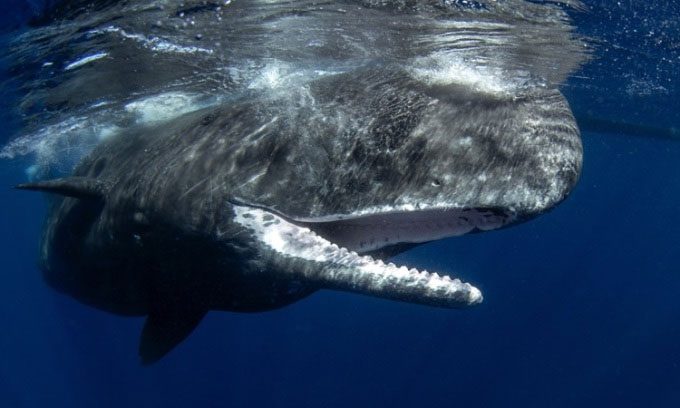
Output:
x=259 y=202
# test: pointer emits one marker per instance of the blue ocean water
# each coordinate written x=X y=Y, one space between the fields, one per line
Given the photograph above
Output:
x=581 y=305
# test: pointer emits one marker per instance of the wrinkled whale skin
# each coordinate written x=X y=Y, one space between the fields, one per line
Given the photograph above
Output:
x=158 y=221
x=165 y=222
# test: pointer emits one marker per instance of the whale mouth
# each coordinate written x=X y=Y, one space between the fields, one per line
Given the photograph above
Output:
x=324 y=251
x=375 y=231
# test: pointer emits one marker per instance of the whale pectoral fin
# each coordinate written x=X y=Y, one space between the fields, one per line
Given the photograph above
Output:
x=77 y=187
x=163 y=330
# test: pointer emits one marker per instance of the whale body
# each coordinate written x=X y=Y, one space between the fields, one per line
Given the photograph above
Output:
x=260 y=199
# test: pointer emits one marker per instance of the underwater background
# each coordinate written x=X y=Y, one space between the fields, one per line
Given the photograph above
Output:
x=582 y=305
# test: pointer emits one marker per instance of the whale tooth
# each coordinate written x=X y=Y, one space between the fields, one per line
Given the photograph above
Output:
x=475 y=295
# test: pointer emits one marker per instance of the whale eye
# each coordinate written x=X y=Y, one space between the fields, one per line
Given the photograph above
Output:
x=436 y=183
x=99 y=167
x=208 y=119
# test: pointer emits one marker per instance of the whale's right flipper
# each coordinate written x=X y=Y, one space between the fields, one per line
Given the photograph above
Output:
x=163 y=330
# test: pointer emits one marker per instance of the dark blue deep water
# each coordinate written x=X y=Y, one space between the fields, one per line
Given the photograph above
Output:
x=582 y=305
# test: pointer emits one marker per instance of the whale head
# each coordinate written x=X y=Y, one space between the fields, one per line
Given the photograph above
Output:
x=317 y=158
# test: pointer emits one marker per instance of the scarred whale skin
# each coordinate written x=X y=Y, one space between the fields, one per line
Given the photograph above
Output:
x=181 y=218
x=264 y=197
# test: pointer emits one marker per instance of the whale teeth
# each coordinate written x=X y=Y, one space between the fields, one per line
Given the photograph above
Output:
x=344 y=268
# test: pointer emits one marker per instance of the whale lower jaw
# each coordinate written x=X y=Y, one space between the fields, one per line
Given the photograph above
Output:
x=303 y=255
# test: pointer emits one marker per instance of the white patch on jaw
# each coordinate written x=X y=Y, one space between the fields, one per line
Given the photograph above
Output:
x=338 y=268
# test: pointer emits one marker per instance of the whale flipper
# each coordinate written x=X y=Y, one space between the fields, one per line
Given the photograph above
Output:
x=163 y=330
x=76 y=187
